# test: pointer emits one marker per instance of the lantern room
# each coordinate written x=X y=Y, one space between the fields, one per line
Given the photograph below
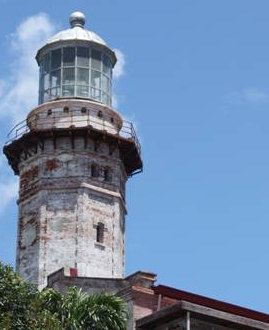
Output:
x=76 y=63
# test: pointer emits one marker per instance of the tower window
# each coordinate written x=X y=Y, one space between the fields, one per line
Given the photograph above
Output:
x=100 y=232
x=66 y=109
x=49 y=112
x=83 y=110
x=100 y=114
x=107 y=174
x=94 y=170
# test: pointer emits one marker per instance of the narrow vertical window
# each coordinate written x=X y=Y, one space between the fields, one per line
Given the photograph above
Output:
x=100 y=233
x=107 y=174
x=94 y=170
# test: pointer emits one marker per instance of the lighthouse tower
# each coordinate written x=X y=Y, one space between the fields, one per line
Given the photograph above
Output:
x=73 y=154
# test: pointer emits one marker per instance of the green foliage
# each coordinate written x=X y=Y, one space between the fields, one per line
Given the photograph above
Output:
x=77 y=310
x=23 y=307
x=20 y=306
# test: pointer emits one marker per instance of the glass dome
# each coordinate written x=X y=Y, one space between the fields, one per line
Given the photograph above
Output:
x=76 y=63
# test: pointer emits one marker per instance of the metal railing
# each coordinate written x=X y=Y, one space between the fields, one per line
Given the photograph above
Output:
x=71 y=119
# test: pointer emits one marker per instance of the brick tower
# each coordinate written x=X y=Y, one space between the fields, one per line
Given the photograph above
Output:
x=73 y=154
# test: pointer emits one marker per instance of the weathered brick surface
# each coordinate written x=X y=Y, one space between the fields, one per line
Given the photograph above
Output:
x=60 y=206
x=144 y=303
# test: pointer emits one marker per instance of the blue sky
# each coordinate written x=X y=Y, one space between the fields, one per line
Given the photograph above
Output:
x=195 y=80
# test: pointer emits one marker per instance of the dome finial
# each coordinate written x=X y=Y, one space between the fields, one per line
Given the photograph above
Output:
x=77 y=19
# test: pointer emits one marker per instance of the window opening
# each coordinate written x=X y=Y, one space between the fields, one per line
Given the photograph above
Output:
x=107 y=174
x=100 y=232
x=100 y=114
x=94 y=170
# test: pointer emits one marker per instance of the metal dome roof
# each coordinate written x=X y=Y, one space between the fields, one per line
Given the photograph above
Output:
x=76 y=33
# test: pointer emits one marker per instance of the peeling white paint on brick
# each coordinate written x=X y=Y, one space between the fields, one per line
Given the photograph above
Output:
x=61 y=203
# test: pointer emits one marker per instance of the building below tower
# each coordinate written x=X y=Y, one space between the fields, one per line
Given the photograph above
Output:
x=158 y=307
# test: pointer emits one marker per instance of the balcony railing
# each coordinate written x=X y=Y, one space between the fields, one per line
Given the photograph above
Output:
x=72 y=119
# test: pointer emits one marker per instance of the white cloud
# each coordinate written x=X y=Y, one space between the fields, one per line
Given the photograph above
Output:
x=119 y=69
x=118 y=72
x=8 y=191
x=2 y=87
x=255 y=95
x=249 y=96
x=19 y=89
x=8 y=184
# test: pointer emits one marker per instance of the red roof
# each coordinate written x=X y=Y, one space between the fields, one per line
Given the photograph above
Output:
x=211 y=303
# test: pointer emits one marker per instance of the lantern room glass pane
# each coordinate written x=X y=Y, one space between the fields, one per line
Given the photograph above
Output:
x=106 y=65
x=45 y=64
x=55 y=92
x=96 y=94
x=96 y=79
x=83 y=91
x=82 y=76
x=46 y=81
x=46 y=95
x=56 y=59
x=68 y=90
x=105 y=98
x=41 y=83
x=69 y=76
x=96 y=60
x=69 y=55
x=105 y=84
x=83 y=56
x=56 y=78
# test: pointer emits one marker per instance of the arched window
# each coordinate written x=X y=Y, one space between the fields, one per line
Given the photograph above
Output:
x=94 y=171
x=100 y=114
x=107 y=174
x=100 y=232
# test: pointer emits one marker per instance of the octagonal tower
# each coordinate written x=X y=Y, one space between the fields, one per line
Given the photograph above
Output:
x=73 y=154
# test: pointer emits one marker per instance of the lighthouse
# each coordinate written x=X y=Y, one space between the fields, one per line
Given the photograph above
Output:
x=73 y=154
